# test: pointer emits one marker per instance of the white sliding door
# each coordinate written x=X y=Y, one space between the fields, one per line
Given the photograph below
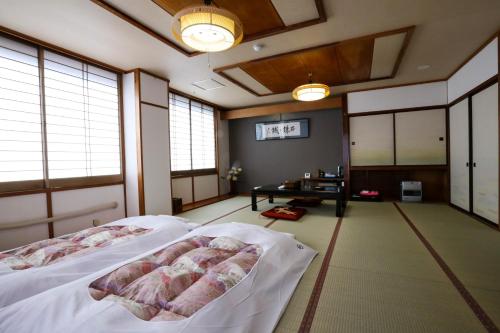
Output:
x=485 y=153
x=156 y=160
x=459 y=154
x=421 y=137
x=372 y=140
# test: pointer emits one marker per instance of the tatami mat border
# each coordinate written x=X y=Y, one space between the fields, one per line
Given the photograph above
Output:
x=231 y=212
x=307 y=320
x=488 y=324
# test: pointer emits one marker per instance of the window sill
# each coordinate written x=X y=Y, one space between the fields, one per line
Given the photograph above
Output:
x=193 y=173
x=66 y=184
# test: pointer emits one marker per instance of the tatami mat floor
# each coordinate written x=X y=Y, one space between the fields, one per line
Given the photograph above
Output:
x=381 y=277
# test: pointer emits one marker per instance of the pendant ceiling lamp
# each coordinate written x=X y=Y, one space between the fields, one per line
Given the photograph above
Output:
x=311 y=91
x=207 y=28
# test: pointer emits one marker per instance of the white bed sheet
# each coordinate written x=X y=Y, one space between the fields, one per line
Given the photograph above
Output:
x=20 y=284
x=253 y=305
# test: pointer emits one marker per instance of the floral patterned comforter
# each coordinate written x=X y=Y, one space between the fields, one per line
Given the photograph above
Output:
x=175 y=282
x=48 y=251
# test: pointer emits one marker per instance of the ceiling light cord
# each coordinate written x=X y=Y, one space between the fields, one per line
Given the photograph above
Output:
x=310 y=77
x=207 y=2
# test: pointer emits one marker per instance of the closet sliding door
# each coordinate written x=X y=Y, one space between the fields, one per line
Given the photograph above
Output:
x=459 y=155
x=485 y=153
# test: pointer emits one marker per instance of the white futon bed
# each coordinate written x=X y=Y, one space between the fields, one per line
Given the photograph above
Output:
x=31 y=269
x=221 y=278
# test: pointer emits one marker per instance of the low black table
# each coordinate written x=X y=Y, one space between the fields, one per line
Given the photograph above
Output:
x=273 y=190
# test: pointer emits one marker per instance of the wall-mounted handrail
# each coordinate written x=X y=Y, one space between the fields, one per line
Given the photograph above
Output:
x=76 y=213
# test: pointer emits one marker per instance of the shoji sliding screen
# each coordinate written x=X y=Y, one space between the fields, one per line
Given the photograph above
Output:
x=202 y=136
x=21 y=151
x=83 y=128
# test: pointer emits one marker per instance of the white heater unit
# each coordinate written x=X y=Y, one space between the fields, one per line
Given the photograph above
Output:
x=411 y=191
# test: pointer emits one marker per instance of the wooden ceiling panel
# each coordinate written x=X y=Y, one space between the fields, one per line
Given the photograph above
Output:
x=323 y=64
x=173 y=6
x=355 y=59
x=266 y=74
x=257 y=16
x=337 y=63
x=283 y=74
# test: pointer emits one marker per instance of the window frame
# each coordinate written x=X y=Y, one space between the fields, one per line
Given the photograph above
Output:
x=196 y=172
x=46 y=184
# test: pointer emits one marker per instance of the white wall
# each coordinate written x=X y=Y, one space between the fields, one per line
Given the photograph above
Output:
x=480 y=68
x=147 y=135
x=20 y=208
x=68 y=201
x=33 y=206
x=183 y=188
x=419 y=95
x=205 y=187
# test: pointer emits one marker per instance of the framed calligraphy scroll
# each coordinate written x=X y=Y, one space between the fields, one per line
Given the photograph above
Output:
x=285 y=129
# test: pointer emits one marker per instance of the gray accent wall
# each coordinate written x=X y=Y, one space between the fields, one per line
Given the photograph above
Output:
x=273 y=161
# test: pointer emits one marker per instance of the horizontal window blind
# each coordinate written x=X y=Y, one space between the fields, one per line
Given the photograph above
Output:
x=192 y=134
x=180 y=133
x=202 y=136
x=21 y=155
x=82 y=116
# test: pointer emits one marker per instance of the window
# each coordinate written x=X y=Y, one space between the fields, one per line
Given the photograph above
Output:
x=192 y=135
x=72 y=116
x=83 y=130
x=21 y=156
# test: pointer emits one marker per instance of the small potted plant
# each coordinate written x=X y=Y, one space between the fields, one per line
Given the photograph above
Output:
x=233 y=175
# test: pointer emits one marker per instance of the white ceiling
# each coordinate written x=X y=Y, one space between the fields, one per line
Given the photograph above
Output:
x=447 y=32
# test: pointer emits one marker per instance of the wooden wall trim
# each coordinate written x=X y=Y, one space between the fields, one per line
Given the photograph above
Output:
x=418 y=108
x=346 y=148
x=142 y=70
x=122 y=140
x=54 y=48
x=287 y=107
x=138 y=120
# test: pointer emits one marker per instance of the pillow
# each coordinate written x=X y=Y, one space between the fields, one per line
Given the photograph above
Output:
x=117 y=280
x=226 y=243
x=200 y=259
x=160 y=286
x=142 y=311
x=285 y=213
x=169 y=254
